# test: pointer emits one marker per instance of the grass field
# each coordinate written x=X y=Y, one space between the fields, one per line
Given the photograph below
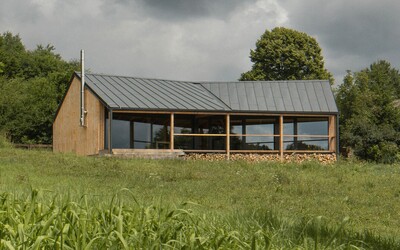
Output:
x=180 y=204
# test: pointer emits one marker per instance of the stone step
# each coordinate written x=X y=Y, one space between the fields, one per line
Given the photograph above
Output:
x=147 y=153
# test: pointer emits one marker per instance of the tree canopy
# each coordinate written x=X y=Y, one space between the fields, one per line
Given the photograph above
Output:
x=32 y=83
x=286 y=54
x=369 y=118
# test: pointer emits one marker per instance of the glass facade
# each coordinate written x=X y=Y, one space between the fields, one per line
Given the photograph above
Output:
x=305 y=133
x=254 y=133
x=207 y=132
x=139 y=131
x=204 y=126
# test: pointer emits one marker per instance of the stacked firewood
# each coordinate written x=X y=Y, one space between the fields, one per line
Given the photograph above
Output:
x=322 y=158
x=255 y=158
x=206 y=157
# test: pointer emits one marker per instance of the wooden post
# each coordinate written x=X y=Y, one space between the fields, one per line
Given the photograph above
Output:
x=281 y=137
x=110 y=118
x=171 y=134
x=295 y=132
x=228 y=136
x=132 y=132
x=332 y=134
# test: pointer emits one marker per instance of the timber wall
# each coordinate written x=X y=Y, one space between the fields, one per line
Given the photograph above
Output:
x=68 y=135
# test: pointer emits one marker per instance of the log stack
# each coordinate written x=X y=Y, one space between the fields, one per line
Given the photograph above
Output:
x=256 y=158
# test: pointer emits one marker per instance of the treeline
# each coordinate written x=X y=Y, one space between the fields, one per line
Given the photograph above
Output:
x=369 y=105
x=32 y=83
x=368 y=101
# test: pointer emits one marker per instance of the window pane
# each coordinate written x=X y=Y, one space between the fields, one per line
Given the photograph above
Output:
x=120 y=134
x=183 y=124
x=260 y=129
x=236 y=129
x=183 y=142
x=312 y=127
x=142 y=145
x=142 y=131
x=199 y=124
x=199 y=142
x=288 y=126
x=253 y=124
x=139 y=131
x=236 y=125
x=253 y=143
x=306 y=143
x=305 y=126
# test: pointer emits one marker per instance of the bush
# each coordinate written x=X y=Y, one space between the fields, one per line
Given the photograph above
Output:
x=369 y=120
x=385 y=152
x=4 y=143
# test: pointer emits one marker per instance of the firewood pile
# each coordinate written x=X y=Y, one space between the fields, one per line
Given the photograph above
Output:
x=255 y=158
x=321 y=158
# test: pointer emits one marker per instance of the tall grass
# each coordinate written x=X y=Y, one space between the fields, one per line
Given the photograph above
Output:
x=240 y=206
x=61 y=223
x=4 y=143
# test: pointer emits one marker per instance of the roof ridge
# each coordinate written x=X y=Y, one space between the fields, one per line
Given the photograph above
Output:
x=136 y=77
x=287 y=81
x=200 y=82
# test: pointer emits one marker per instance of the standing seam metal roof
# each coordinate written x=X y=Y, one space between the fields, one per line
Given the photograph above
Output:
x=119 y=92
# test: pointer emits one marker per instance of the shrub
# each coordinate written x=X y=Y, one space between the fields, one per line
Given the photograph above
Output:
x=4 y=143
x=385 y=152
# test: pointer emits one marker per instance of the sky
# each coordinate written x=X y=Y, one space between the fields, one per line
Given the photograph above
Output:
x=202 y=40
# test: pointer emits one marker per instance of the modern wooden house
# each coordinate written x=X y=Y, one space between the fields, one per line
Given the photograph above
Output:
x=138 y=114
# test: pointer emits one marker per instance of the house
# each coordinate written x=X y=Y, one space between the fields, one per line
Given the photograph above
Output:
x=140 y=114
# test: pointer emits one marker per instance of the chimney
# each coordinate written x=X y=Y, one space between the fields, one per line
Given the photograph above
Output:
x=83 y=111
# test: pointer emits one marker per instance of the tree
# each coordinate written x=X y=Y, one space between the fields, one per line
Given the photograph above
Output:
x=369 y=119
x=286 y=54
x=12 y=54
x=27 y=109
x=32 y=83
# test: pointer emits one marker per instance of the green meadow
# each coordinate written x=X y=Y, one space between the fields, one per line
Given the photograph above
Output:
x=62 y=201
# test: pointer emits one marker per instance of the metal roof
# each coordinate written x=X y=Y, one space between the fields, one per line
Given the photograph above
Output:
x=119 y=92
x=276 y=96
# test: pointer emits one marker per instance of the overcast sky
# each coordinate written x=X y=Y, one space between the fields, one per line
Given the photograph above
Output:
x=202 y=39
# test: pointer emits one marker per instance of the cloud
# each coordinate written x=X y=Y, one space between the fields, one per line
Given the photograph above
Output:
x=194 y=49
x=181 y=10
x=202 y=39
x=353 y=34
x=192 y=40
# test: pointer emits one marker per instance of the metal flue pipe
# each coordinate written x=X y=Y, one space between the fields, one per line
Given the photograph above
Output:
x=83 y=111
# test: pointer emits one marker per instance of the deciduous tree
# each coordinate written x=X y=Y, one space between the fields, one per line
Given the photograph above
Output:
x=369 y=120
x=32 y=83
x=286 y=54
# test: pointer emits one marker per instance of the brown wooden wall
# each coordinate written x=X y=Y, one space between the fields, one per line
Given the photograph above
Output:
x=68 y=135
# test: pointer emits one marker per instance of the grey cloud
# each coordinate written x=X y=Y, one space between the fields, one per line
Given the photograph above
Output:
x=351 y=31
x=178 y=10
x=28 y=12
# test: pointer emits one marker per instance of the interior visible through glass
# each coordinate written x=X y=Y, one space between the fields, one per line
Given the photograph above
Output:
x=303 y=126
x=139 y=131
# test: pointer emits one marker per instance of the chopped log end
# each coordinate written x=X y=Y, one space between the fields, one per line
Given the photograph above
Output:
x=256 y=158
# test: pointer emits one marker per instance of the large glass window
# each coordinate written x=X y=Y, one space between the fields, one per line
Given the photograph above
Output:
x=207 y=132
x=201 y=130
x=139 y=131
x=305 y=133
x=254 y=133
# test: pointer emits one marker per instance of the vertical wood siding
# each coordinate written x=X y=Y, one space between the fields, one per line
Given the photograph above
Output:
x=68 y=135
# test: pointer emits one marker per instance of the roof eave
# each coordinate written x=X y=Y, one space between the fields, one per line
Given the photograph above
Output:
x=116 y=109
